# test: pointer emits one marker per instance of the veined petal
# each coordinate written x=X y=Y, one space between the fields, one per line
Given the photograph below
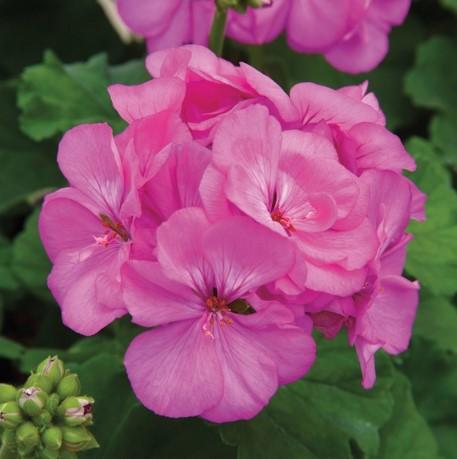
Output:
x=174 y=369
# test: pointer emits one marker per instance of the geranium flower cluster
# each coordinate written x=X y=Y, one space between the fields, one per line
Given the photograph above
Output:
x=351 y=34
x=232 y=219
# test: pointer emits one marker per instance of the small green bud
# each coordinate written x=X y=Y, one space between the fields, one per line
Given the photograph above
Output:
x=46 y=453
x=70 y=386
x=76 y=411
x=10 y=415
x=27 y=438
x=52 y=438
x=78 y=439
x=52 y=403
x=41 y=381
x=53 y=368
x=8 y=393
x=32 y=400
x=43 y=419
x=260 y=3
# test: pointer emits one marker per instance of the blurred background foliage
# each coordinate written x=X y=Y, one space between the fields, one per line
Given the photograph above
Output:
x=58 y=56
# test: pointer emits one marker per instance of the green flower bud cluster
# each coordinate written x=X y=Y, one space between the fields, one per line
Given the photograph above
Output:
x=48 y=417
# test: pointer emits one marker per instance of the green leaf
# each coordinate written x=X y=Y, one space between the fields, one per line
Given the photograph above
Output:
x=437 y=321
x=30 y=263
x=443 y=131
x=431 y=83
x=54 y=97
x=433 y=374
x=7 y=279
x=432 y=254
x=132 y=72
x=125 y=429
x=9 y=349
x=21 y=158
x=321 y=415
x=451 y=4
x=406 y=435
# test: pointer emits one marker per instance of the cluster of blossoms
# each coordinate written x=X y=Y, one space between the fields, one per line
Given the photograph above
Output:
x=47 y=418
x=351 y=34
x=232 y=219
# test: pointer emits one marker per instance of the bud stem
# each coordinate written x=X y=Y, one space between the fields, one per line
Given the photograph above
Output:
x=216 y=37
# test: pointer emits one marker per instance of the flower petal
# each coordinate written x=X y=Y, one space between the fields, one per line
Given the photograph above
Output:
x=174 y=370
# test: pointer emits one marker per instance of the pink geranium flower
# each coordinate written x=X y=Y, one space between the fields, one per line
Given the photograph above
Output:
x=351 y=34
x=219 y=351
x=86 y=228
x=292 y=183
x=382 y=313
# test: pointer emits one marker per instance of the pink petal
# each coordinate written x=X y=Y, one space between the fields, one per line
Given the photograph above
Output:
x=182 y=257
x=174 y=370
x=333 y=279
x=78 y=281
x=314 y=25
x=365 y=353
x=362 y=51
x=176 y=182
x=374 y=147
x=258 y=26
x=147 y=17
x=389 y=204
x=90 y=161
x=152 y=299
x=349 y=249
x=317 y=103
x=390 y=318
x=244 y=255
x=256 y=150
x=212 y=191
x=275 y=98
x=65 y=224
x=249 y=375
x=319 y=175
x=308 y=144
x=139 y=101
x=293 y=349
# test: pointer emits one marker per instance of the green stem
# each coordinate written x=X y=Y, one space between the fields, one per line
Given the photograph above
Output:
x=217 y=34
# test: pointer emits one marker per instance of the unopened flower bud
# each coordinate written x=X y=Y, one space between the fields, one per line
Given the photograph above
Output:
x=260 y=3
x=27 y=438
x=41 y=381
x=49 y=454
x=8 y=393
x=52 y=403
x=78 y=439
x=76 y=411
x=32 y=400
x=69 y=386
x=53 y=368
x=43 y=419
x=10 y=415
x=52 y=438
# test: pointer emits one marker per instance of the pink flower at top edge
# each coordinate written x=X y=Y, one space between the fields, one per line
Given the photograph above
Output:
x=351 y=34
x=217 y=351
